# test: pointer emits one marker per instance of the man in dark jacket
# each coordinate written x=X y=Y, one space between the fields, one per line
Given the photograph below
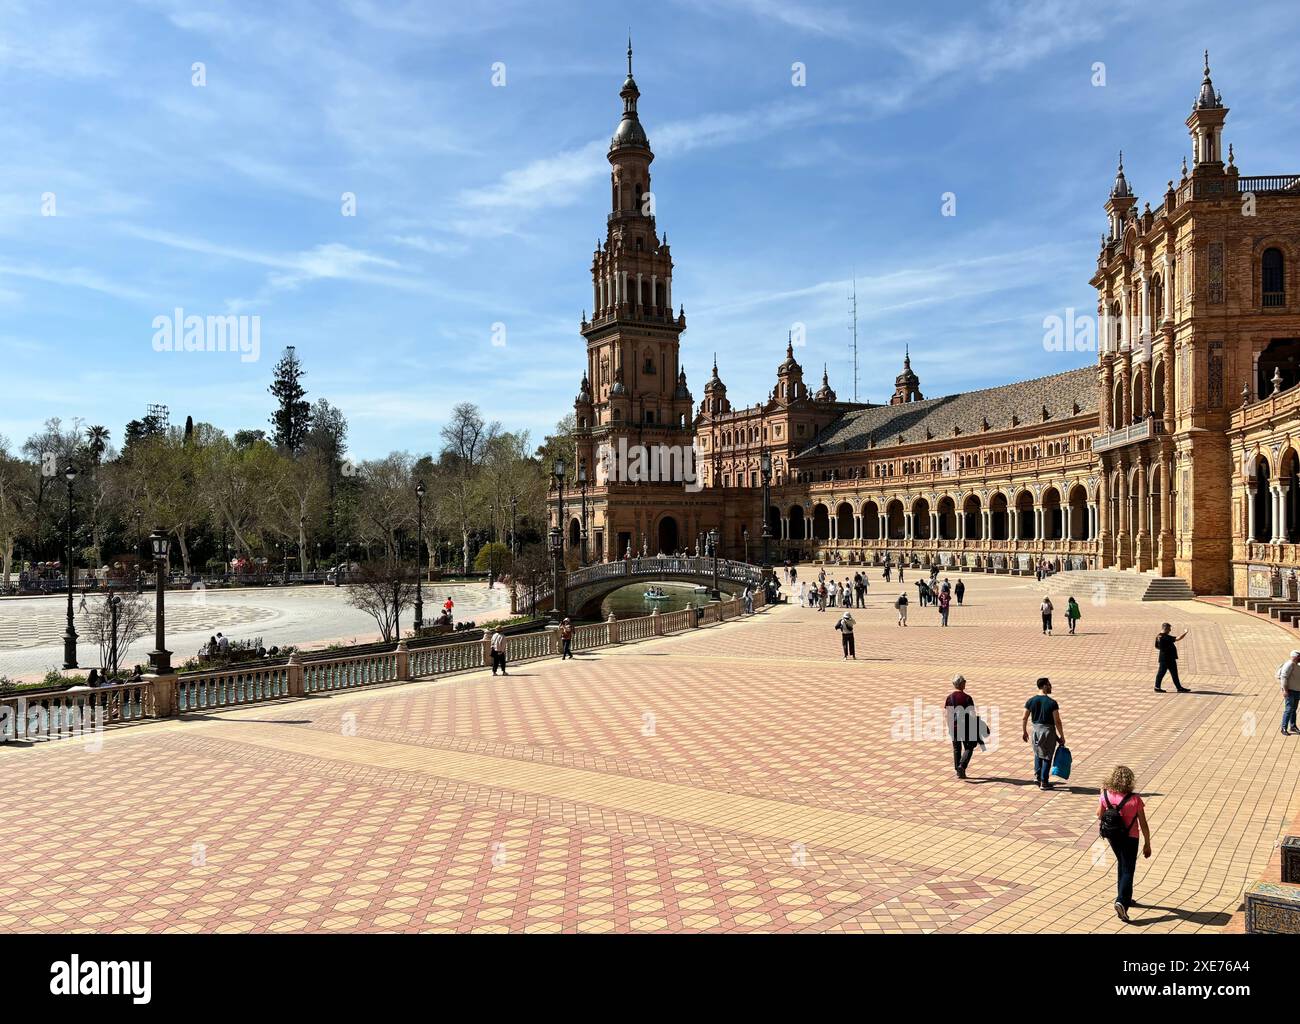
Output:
x=1167 y=645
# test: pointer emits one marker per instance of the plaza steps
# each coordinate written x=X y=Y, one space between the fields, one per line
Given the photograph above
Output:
x=1120 y=585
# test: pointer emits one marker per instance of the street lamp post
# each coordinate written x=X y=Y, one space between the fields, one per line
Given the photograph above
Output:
x=139 y=543
x=225 y=553
x=557 y=573
x=744 y=532
x=419 y=541
x=765 y=466
x=160 y=658
x=70 y=634
x=114 y=603
x=716 y=594
x=284 y=563
x=582 y=483
x=558 y=470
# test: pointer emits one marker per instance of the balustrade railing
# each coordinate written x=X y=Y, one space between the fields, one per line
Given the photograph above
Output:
x=77 y=712
x=349 y=673
x=231 y=687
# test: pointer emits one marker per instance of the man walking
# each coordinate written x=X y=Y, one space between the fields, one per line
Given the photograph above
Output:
x=845 y=626
x=1167 y=645
x=1289 y=676
x=960 y=590
x=566 y=639
x=963 y=725
x=1045 y=715
x=498 y=651
x=901 y=605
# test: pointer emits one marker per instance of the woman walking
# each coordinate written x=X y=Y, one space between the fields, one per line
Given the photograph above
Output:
x=1045 y=609
x=1120 y=815
x=944 y=601
x=1072 y=613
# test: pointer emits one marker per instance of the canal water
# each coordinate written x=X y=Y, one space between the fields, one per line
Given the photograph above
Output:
x=630 y=601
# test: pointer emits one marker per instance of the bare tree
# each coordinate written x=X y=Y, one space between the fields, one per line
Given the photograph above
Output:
x=134 y=619
x=383 y=590
x=466 y=440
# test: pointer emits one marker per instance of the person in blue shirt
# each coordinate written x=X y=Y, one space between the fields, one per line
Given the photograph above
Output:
x=1045 y=716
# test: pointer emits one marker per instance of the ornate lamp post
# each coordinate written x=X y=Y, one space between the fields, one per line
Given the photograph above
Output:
x=114 y=603
x=160 y=658
x=70 y=634
x=716 y=594
x=557 y=573
x=765 y=466
x=514 y=536
x=419 y=555
x=744 y=533
x=284 y=563
x=582 y=483
x=139 y=543
x=558 y=471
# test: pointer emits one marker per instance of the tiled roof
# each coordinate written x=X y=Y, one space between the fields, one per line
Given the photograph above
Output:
x=882 y=424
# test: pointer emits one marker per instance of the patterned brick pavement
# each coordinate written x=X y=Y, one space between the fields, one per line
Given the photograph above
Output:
x=742 y=778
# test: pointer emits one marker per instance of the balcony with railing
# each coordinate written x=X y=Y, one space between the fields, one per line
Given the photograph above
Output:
x=1267 y=184
x=1144 y=430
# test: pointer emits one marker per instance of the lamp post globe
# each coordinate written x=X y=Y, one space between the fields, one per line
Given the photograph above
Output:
x=70 y=631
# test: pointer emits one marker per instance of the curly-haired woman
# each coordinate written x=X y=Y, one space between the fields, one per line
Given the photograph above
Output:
x=1117 y=795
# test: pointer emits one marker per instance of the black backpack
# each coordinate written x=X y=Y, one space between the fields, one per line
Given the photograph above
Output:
x=1111 y=825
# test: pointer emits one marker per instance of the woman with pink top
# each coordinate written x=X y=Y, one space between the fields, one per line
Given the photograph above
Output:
x=1120 y=814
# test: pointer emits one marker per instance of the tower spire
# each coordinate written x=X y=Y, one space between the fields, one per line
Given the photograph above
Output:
x=629 y=54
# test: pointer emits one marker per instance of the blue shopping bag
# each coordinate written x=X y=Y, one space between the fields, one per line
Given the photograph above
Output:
x=1061 y=763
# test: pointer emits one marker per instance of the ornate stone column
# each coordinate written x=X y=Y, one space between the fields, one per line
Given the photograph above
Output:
x=1123 y=536
x=1143 y=554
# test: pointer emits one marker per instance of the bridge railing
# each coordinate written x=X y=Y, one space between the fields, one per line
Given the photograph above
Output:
x=67 y=714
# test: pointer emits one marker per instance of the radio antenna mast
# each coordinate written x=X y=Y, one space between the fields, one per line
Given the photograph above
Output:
x=853 y=308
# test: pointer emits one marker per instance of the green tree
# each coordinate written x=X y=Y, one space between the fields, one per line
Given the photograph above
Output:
x=292 y=417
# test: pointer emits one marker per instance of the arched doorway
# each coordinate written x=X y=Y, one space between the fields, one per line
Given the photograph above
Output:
x=998 y=518
x=668 y=542
x=1263 y=524
x=870 y=521
x=947 y=518
x=1025 y=516
x=575 y=533
x=821 y=522
x=844 y=522
x=1078 y=513
x=920 y=519
x=894 y=524
x=1289 y=478
x=797 y=531
x=1053 y=528
x=973 y=527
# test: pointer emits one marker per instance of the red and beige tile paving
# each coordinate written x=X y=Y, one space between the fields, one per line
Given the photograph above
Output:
x=742 y=778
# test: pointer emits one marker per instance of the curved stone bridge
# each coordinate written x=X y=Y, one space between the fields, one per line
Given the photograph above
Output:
x=585 y=588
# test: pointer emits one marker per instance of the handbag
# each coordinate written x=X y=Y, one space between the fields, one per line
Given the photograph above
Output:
x=1061 y=763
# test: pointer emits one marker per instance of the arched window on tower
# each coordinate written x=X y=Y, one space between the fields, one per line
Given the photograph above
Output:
x=1273 y=277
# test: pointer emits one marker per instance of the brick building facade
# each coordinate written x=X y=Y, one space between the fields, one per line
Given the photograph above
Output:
x=1176 y=453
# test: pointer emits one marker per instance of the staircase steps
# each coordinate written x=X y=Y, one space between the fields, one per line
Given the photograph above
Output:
x=1120 y=585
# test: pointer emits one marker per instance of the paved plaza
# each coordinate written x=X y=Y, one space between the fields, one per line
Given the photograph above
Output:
x=31 y=628
x=739 y=778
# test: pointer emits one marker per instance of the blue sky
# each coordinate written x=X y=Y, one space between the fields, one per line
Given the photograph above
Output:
x=479 y=204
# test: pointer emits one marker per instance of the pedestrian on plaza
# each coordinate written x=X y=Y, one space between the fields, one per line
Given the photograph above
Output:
x=833 y=594
x=863 y=588
x=945 y=599
x=448 y=605
x=900 y=572
x=886 y=570
x=1038 y=572
x=822 y=595
x=92 y=680
x=1045 y=715
x=498 y=650
x=963 y=725
x=82 y=606
x=1167 y=645
x=1072 y=613
x=1045 y=609
x=960 y=590
x=566 y=639
x=1120 y=814
x=901 y=605
x=845 y=626
x=846 y=595
x=794 y=574
x=223 y=644
x=212 y=647
x=1289 y=676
